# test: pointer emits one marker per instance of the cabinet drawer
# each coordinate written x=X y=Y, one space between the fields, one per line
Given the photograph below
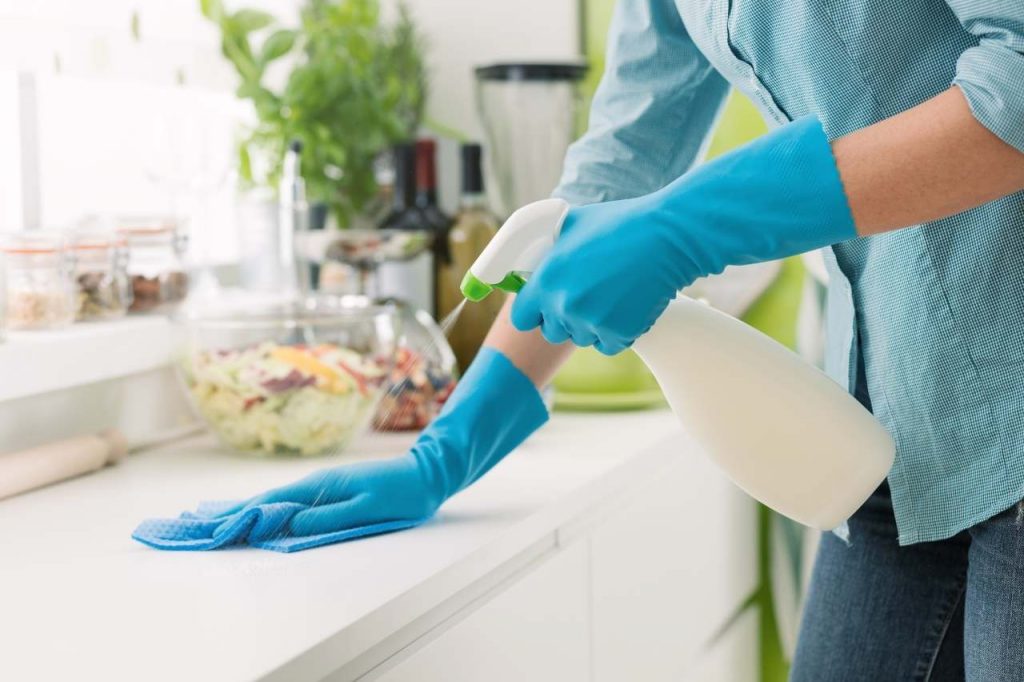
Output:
x=536 y=629
x=734 y=658
x=668 y=570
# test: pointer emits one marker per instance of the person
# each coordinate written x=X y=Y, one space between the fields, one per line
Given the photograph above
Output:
x=898 y=142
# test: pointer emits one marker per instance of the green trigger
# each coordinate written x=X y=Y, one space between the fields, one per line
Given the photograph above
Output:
x=512 y=283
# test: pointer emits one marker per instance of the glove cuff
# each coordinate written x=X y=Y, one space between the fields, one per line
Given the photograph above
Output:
x=777 y=196
x=494 y=408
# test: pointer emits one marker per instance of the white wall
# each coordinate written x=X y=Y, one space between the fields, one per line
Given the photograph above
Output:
x=122 y=120
x=467 y=33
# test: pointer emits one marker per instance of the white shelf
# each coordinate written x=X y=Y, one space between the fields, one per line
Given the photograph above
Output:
x=38 y=362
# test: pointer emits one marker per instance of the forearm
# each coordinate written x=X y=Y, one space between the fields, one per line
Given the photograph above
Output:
x=528 y=351
x=929 y=162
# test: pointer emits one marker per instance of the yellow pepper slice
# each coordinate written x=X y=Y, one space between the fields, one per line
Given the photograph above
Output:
x=303 y=361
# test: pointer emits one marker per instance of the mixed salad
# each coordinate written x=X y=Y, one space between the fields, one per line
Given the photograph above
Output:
x=286 y=399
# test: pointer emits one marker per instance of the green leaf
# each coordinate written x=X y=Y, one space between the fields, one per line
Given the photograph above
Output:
x=249 y=90
x=249 y=20
x=244 y=162
x=445 y=130
x=135 y=27
x=277 y=45
x=211 y=9
x=236 y=49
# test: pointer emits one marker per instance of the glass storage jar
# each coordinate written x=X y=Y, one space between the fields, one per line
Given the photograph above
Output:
x=156 y=263
x=37 y=278
x=102 y=288
x=423 y=377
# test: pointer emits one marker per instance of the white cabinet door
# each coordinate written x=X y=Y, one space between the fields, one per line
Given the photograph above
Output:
x=535 y=630
x=734 y=658
x=668 y=569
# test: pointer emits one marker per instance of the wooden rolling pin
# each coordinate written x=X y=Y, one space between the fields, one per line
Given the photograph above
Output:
x=45 y=464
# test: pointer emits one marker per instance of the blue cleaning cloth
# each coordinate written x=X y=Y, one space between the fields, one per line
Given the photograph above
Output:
x=264 y=527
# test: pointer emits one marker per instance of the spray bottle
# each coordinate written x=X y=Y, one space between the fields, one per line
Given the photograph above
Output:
x=777 y=426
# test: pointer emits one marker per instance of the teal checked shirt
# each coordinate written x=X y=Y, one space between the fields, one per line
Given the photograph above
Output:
x=936 y=311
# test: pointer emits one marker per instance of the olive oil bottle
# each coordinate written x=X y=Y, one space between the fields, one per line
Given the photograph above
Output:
x=473 y=228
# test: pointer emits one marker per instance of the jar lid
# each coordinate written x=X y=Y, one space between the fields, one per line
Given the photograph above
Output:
x=32 y=243
x=93 y=240
x=532 y=71
x=146 y=225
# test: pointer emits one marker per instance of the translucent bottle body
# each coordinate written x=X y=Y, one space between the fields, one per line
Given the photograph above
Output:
x=777 y=426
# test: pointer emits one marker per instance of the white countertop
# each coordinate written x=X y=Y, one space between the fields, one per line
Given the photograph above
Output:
x=80 y=600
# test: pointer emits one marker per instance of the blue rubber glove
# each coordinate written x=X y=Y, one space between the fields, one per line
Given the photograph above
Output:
x=494 y=408
x=616 y=265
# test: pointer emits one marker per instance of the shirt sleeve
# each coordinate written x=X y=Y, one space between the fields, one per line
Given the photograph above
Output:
x=651 y=113
x=991 y=74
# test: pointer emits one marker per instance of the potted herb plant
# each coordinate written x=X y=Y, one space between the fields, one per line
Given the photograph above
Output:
x=354 y=86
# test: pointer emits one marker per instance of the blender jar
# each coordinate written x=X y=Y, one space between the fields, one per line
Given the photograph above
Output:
x=530 y=114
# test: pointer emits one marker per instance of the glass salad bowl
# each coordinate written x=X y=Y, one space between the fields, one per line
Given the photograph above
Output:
x=301 y=378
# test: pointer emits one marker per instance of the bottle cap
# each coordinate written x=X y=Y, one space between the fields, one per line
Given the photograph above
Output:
x=532 y=71
x=472 y=172
x=426 y=167
x=404 y=155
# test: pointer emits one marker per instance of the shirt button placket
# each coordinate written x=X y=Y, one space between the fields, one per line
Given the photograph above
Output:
x=743 y=72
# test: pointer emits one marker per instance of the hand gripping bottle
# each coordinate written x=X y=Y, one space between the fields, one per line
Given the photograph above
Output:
x=777 y=426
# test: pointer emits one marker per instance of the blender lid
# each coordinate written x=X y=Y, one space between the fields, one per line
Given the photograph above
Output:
x=532 y=71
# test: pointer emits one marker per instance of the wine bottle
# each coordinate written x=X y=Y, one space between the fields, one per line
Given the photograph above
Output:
x=412 y=280
x=404 y=214
x=473 y=228
x=426 y=187
x=426 y=202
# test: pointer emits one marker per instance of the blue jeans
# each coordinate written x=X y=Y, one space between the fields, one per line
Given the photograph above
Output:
x=936 y=611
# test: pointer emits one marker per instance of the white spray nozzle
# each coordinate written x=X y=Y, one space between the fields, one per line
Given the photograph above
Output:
x=518 y=248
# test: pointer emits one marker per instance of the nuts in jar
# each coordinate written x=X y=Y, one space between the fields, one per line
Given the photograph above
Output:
x=419 y=387
x=423 y=375
x=101 y=276
x=156 y=268
x=37 y=271
x=151 y=293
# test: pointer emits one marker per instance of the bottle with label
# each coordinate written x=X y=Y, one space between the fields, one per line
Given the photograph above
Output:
x=426 y=186
x=426 y=201
x=474 y=227
x=409 y=280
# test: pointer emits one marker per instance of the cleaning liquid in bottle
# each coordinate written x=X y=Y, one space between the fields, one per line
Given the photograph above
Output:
x=777 y=426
